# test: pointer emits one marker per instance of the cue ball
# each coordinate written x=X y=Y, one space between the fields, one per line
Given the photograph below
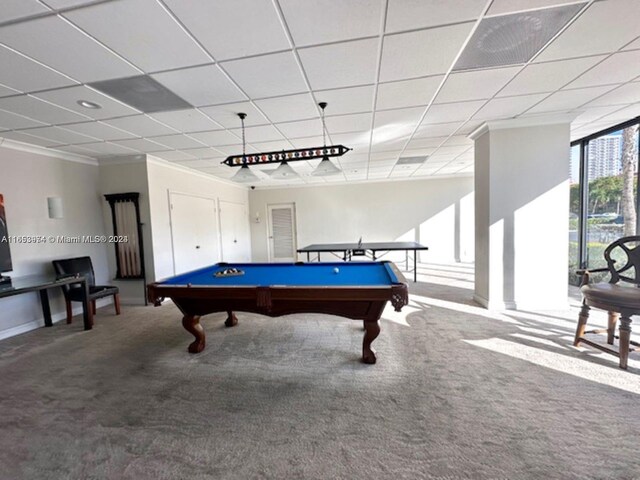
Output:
x=336 y=270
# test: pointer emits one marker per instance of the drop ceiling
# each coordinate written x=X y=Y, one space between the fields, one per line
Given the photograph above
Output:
x=395 y=74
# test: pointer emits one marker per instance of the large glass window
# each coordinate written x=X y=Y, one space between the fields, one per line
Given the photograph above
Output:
x=604 y=194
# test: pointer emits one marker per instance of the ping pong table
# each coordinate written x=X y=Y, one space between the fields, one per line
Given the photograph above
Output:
x=374 y=251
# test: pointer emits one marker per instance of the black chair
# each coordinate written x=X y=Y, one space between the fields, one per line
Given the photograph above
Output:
x=72 y=293
x=620 y=301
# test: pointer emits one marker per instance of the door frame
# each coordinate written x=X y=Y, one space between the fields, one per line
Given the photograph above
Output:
x=292 y=205
x=216 y=206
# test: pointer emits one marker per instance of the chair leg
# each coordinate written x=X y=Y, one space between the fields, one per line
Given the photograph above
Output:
x=625 y=337
x=93 y=307
x=116 y=302
x=611 y=328
x=69 y=312
x=582 y=324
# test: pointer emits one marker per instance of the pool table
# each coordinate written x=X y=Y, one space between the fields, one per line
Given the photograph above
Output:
x=354 y=290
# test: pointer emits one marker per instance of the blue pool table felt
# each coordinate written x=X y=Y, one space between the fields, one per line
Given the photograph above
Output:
x=308 y=274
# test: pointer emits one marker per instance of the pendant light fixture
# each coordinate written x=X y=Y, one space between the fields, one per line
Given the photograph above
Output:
x=244 y=175
x=325 y=167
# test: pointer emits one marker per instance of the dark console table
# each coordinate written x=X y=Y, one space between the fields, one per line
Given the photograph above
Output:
x=41 y=284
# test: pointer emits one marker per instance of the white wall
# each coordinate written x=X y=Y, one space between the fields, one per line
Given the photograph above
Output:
x=435 y=212
x=125 y=175
x=164 y=178
x=26 y=180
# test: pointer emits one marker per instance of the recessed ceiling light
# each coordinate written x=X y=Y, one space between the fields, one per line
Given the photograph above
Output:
x=88 y=104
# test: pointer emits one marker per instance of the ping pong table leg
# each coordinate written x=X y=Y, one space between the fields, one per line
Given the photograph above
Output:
x=415 y=266
x=307 y=257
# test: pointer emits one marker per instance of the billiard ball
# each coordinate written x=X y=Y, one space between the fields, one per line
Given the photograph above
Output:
x=336 y=270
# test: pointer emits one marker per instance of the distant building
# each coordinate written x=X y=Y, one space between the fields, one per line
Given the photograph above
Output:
x=604 y=156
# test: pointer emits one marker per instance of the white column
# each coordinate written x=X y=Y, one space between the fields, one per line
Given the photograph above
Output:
x=521 y=220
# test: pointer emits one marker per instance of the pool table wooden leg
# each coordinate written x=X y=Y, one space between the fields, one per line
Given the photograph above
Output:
x=191 y=324
x=372 y=330
x=231 y=320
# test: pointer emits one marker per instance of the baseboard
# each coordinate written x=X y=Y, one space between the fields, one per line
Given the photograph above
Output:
x=55 y=318
x=492 y=304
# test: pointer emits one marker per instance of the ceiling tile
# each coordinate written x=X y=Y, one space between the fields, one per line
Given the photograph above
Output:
x=140 y=144
x=39 y=110
x=622 y=115
x=190 y=120
x=451 y=112
x=6 y=91
x=270 y=146
x=26 y=138
x=444 y=44
x=59 y=135
x=302 y=128
x=205 y=85
x=15 y=9
x=628 y=93
x=227 y=115
x=438 y=130
x=618 y=68
x=217 y=137
x=341 y=65
x=413 y=14
x=548 y=77
x=594 y=113
x=68 y=98
x=11 y=121
x=232 y=28
x=307 y=142
x=140 y=125
x=477 y=85
x=234 y=149
x=176 y=141
x=98 y=130
x=635 y=45
x=407 y=93
x=208 y=153
x=173 y=155
x=90 y=60
x=200 y=163
x=618 y=18
x=566 y=100
x=22 y=73
x=142 y=32
x=359 y=122
x=501 y=7
x=262 y=133
x=347 y=100
x=420 y=143
x=77 y=149
x=57 y=4
x=268 y=75
x=302 y=20
x=107 y=148
x=291 y=107
x=507 y=107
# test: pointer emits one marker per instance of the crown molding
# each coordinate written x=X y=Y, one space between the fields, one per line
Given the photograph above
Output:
x=523 y=122
x=48 y=152
x=191 y=171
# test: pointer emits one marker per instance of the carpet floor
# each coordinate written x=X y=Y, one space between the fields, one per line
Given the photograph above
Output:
x=458 y=393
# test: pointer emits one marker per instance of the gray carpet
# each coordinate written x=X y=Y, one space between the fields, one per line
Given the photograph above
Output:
x=458 y=393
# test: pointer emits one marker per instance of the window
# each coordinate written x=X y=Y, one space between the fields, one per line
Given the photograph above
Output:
x=604 y=194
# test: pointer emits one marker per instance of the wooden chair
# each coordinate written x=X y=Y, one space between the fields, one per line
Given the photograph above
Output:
x=72 y=293
x=620 y=301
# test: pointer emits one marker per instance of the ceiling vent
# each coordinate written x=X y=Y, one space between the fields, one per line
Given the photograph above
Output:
x=142 y=93
x=514 y=39
x=411 y=160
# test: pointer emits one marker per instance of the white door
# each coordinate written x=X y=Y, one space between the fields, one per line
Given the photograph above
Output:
x=234 y=232
x=282 y=232
x=194 y=232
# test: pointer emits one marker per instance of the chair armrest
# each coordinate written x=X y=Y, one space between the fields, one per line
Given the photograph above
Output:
x=587 y=272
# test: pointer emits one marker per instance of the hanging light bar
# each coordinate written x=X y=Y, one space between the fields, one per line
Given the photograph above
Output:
x=280 y=156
